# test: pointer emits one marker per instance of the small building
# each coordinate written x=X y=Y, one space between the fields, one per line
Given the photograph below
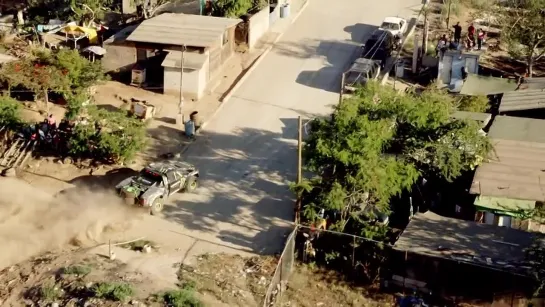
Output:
x=464 y=260
x=207 y=43
x=511 y=183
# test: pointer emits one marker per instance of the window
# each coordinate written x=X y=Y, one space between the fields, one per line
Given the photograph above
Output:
x=170 y=176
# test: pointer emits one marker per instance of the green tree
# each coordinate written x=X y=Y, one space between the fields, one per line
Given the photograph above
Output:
x=231 y=8
x=474 y=104
x=523 y=24
x=376 y=145
x=10 y=109
x=81 y=72
x=35 y=75
x=118 y=137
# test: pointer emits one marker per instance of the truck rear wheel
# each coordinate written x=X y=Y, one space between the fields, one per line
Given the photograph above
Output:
x=156 y=206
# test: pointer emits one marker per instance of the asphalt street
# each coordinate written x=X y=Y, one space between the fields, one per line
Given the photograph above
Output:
x=247 y=153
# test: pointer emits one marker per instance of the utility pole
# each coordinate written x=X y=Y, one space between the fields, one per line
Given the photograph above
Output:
x=180 y=118
x=342 y=89
x=425 y=33
x=448 y=12
x=299 y=167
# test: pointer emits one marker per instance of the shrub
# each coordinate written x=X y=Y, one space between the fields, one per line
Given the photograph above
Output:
x=474 y=104
x=49 y=292
x=113 y=291
x=118 y=138
x=9 y=112
x=181 y=298
x=77 y=270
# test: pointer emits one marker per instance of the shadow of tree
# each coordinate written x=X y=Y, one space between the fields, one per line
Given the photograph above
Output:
x=243 y=196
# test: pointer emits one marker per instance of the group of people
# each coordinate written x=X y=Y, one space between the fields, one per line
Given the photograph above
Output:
x=473 y=39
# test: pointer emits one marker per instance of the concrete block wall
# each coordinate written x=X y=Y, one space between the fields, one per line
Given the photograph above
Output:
x=258 y=25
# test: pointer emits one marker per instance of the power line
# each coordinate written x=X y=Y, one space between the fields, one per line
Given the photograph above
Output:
x=375 y=46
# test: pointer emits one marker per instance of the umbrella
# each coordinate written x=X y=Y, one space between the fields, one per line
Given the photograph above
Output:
x=96 y=50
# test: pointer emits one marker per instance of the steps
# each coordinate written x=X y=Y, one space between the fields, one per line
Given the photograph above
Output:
x=17 y=154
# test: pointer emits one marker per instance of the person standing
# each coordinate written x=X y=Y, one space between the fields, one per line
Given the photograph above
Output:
x=471 y=35
x=457 y=32
x=480 y=38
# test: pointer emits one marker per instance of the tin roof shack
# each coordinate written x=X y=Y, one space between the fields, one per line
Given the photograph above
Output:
x=465 y=260
x=120 y=55
x=511 y=184
x=208 y=43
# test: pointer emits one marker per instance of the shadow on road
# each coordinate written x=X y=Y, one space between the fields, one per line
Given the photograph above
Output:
x=360 y=31
x=105 y=182
x=243 y=197
x=337 y=55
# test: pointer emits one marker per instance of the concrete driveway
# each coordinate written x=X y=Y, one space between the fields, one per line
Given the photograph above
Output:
x=247 y=153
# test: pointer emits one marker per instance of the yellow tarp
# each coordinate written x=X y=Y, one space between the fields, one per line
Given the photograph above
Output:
x=91 y=33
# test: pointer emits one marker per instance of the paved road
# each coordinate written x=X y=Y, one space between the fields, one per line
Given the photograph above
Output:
x=247 y=154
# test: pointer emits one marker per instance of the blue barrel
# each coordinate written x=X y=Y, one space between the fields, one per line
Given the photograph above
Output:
x=189 y=128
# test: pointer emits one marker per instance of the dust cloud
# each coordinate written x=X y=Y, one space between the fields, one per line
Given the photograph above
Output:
x=32 y=221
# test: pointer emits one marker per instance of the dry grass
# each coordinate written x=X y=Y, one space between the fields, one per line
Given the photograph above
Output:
x=310 y=286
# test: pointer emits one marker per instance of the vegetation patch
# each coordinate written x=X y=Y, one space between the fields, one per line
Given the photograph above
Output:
x=183 y=297
x=80 y=270
x=113 y=291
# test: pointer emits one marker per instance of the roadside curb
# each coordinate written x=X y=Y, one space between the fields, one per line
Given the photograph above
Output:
x=246 y=74
x=409 y=33
x=262 y=56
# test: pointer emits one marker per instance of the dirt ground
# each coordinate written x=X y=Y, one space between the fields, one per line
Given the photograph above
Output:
x=309 y=286
x=495 y=59
x=78 y=278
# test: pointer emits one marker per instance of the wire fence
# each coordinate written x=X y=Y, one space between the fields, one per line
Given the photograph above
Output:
x=368 y=262
x=282 y=272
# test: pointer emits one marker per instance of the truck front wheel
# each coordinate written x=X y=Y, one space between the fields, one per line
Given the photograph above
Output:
x=156 y=206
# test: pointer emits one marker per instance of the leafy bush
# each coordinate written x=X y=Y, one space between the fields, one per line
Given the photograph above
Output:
x=75 y=103
x=9 y=112
x=110 y=135
x=81 y=73
x=474 y=104
x=181 y=298
x=49 y=292
x=113 y=291
x=77 y=270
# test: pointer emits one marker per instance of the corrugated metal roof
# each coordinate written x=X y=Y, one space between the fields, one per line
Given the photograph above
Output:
x=458 y=240
x=484 y=85
x=121 y=35
x=516 y=168
x=192 y=60
x=518 y=129
x=533 y=84
x=522 y=100
x=182 y=29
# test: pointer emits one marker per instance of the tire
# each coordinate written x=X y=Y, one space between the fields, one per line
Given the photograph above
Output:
x=157 y=206
x=191 y=184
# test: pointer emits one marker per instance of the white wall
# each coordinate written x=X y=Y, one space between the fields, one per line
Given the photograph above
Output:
x=192 y=83
x=257 y=26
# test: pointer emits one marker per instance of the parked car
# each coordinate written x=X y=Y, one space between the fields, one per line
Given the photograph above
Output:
x=359 y=73
x=395 y=25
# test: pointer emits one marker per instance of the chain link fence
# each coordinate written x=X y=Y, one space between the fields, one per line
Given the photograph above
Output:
x=282 y=272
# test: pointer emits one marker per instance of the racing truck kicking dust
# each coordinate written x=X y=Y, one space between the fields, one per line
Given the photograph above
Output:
x=156 y=182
